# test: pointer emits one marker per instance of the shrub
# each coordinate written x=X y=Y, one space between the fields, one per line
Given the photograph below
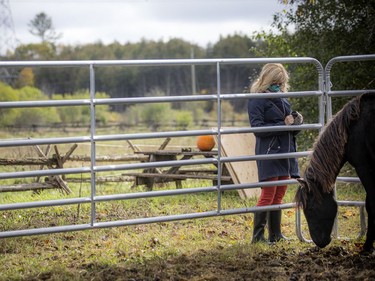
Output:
x=184 y=119
x=7 y=116
x=80 y=115
x=156 y=114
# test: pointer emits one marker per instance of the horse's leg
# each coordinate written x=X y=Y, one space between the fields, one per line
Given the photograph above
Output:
x=368 y=181
x=370 y=235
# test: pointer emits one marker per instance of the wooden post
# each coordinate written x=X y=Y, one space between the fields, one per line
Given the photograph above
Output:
x=56 y=178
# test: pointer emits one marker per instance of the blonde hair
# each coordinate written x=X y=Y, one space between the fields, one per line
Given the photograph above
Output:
x=272 y=73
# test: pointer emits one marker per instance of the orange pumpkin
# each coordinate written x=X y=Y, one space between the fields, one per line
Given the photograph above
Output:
x=205 y=143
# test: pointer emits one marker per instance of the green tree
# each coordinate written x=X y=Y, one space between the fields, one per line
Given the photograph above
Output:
x=44 y=78
x=40 y=51
x=42 y=27
x=328 y=28
x=234 y=78
x=25 y=78
x=323 y=29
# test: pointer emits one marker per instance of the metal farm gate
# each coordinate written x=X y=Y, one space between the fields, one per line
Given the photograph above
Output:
x=329 y=95
x=322 y=93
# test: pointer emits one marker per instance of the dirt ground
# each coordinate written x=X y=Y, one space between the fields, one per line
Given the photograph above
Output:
x=333 y=264
x=277 y=263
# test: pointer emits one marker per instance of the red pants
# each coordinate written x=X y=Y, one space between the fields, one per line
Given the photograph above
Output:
x=272 y=195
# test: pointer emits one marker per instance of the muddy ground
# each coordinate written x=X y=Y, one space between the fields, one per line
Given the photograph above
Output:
x=275 y=263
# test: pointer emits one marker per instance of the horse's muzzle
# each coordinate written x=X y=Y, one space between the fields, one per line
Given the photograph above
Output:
x=321 y=241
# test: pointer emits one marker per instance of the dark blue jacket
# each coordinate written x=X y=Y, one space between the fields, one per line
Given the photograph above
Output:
x=272 y=112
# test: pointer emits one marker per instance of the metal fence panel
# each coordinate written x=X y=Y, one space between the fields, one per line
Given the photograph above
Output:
x=93 y=137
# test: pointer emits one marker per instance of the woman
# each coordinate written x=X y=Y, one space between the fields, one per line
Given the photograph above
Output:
x=272 y=112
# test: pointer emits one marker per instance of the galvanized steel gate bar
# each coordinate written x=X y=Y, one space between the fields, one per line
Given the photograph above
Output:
x=329 y=94
x=93 y=138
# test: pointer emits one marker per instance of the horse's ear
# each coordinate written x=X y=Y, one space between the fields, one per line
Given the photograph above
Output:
x=300 y=197
x=302 y=182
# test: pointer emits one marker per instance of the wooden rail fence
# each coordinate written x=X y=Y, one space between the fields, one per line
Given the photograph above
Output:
x=147 y=177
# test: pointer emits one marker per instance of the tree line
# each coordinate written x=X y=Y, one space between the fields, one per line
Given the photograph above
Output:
x=136 y=81
x=312 y=28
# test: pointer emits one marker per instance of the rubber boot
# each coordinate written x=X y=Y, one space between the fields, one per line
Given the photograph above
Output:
x=260 y=220
x=274 y=226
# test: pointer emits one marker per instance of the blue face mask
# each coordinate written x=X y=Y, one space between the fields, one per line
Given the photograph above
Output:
x=274 y=88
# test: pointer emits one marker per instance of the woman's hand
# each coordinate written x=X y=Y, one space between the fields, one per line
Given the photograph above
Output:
x=298 y=118
x=289 y=120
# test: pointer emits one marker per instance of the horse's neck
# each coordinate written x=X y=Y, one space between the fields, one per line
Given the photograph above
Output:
x=323 y=182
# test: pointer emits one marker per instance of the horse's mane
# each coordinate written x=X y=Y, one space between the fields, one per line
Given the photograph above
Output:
x=329 y=149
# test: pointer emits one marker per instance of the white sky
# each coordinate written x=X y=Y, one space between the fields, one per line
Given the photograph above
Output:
x=196 y=21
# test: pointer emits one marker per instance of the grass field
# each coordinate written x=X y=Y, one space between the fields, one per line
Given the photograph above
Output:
x=216 y=248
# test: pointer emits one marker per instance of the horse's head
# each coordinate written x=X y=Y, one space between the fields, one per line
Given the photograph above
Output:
x=320 y=210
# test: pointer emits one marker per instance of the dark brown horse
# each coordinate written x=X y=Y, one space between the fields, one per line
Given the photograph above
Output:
x=349 y=137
